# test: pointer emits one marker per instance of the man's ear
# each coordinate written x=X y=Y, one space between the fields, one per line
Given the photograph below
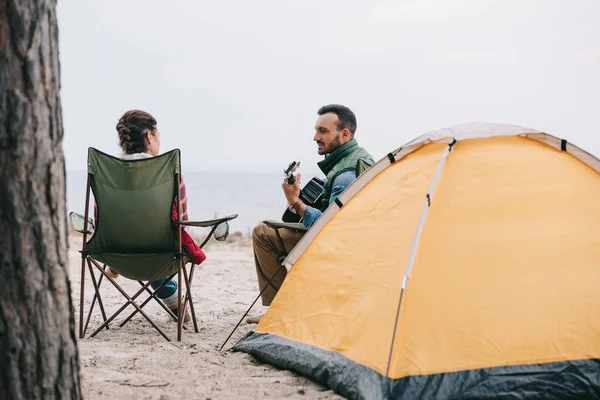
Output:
x=346 y=133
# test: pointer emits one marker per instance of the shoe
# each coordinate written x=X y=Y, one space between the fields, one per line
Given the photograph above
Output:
x=175 y=310
x=255 y=319
x=112 y=273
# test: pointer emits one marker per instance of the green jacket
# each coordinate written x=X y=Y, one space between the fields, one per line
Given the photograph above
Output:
x=347 y=157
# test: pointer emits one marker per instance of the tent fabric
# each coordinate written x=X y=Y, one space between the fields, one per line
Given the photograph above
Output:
x=126 y=193
x=575 y=379
x=501 y=292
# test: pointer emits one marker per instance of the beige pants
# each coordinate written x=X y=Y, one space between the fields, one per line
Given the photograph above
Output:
x=267 y=250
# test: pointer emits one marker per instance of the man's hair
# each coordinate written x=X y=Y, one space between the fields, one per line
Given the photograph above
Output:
x=346 y=117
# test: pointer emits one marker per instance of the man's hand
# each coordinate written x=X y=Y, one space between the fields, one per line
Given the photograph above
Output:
x=292 y=194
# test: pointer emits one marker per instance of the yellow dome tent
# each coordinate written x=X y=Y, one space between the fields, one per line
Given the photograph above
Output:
x=465 y=264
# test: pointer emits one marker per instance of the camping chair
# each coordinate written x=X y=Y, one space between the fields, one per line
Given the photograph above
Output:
x=134 y=234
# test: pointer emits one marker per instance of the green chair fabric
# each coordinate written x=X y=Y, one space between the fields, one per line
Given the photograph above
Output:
x=134 y=233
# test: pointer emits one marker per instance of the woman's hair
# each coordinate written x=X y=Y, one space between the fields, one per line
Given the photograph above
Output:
x=132 y=128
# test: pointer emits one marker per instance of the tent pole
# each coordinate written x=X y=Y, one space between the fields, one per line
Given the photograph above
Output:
x=251 y=305
x=415 y=245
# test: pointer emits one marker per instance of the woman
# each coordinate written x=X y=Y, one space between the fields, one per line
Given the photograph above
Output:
x=139 y=138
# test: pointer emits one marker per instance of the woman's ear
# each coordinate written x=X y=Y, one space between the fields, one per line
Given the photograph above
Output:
x=148 y=137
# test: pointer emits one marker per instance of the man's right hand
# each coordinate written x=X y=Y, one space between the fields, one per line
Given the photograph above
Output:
x=292 y=192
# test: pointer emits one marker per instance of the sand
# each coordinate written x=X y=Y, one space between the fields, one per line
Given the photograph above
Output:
x=136 y=362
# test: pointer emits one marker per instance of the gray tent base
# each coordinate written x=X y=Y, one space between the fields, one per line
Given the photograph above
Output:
x=578 y=379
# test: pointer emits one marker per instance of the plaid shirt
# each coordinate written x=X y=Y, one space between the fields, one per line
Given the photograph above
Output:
x=190 y=247
x=183 y=197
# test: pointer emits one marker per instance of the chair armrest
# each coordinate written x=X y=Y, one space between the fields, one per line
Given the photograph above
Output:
x=220 y=227
x=207 y=223
x=77 y=222
x=294 y=226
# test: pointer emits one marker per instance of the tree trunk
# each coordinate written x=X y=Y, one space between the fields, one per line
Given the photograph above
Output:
x=38 y=350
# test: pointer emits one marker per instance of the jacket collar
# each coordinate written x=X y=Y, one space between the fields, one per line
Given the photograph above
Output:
x=134 y=156
x=335 y=156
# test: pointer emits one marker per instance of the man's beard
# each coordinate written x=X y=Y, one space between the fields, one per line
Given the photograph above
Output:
x=335 y=143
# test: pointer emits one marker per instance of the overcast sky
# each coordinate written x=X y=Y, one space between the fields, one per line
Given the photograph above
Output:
x=236 y=84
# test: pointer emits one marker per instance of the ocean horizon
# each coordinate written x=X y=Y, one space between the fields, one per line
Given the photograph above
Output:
x=254 y=196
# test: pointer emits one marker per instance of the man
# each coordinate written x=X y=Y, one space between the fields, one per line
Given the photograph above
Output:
x=334 y=134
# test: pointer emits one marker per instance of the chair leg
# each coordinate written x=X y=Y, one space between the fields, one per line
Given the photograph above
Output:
x=81 y=296
x=130 y=300
x=152 y=296
x=188 y=284
x=97 y=287
x=97 y=296
x=89 y=314
x=179 y=308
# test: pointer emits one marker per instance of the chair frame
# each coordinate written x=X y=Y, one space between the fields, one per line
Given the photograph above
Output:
x=181 y=273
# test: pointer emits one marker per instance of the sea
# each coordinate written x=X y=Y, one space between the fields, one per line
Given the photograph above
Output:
x=253 y=196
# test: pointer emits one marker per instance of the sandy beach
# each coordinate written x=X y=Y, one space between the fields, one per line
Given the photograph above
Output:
x=136 y=362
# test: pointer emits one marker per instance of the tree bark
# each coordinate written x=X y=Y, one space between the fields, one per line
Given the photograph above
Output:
x=38 y=349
